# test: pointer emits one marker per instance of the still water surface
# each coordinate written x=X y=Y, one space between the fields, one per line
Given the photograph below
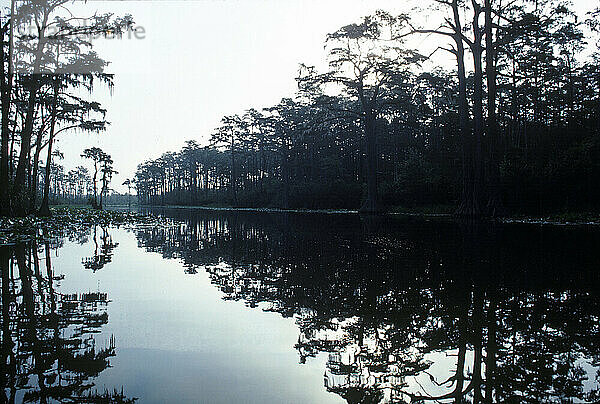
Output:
x=250 y=307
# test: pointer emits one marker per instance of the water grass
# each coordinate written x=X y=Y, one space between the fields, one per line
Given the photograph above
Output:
x=65 y=220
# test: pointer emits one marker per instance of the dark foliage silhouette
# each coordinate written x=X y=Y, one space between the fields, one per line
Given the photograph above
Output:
x=516 y=132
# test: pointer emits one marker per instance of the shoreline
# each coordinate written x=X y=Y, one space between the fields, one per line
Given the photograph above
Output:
x=572 y=219
x=78 y=217
x=65 y=220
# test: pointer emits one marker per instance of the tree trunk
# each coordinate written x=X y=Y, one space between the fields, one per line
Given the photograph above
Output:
x=232 y=180
x=102 y=191
x=34 y=172
x=494 y=206
x=285 y=166
x=478 y=303
x=262 y=165
x=7 y=341
x=477 y=117
x=29 y=309
x=95 y=184
x=44 y=207
x=466 y=203
x=205 y=181
x=19 y=188
x=20 y=195
x=6 y=89
x=371 y=205
x=460 y=362
x=470 y=206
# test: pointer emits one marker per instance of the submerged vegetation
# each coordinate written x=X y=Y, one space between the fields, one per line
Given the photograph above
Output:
x=67 y=220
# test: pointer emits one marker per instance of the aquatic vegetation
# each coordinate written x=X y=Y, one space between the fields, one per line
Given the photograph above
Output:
x=67 y=220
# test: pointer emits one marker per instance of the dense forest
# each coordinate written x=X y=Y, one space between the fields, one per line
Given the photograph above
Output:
x=48 y=77
x=510 y=126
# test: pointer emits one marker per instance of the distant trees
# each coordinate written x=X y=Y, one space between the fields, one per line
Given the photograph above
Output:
x=95 y=154
x=72 y=187
x=129 y=184
x=278 y=157
x=103 y=163
x=229 y=135
x=107 y=174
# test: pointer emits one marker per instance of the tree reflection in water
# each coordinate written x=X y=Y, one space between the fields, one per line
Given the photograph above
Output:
x=103 y=251
x=412 y=311
x=48 y=350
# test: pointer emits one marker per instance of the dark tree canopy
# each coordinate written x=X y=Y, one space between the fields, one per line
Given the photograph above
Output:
x=513 y=129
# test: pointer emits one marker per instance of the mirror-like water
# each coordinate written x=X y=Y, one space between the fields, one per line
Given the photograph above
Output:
x=231 y=307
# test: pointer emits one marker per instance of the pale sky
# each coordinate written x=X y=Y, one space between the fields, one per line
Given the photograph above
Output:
x=203 y=59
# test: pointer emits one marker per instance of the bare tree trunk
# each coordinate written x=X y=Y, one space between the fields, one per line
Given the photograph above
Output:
x=19 y=188
x=232 y=180
x=494 y=205
x=104 y=185
x=371 y=205
x=34 y=173
x=477 y=322
x=285 y=168
x=29 y=305
x=262 y=164
x=6 y=89
x=476 y=209
x=95 y=184
x=466 y=204
x=45 y=208
x=205 y=181
x=20 y=195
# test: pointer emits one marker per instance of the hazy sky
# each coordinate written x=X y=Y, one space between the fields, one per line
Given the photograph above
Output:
x=203 y=59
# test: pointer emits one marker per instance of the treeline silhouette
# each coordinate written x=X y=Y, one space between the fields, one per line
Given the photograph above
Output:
x=513 y=128
x=49 y=352
x=411 y=311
